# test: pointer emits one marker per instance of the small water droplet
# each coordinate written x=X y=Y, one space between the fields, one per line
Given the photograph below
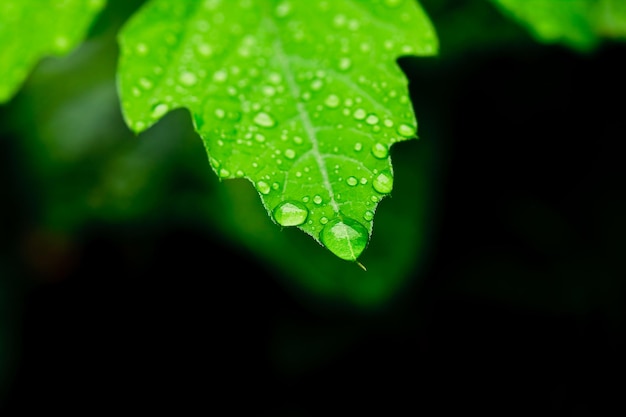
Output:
x=283 y=9
x=345 y=63
x=223 y=173
x=220 y=76
x=406 y=130
x=345 y=237
x=372 y=119
x=142 y=48
x=380 y=150
x=332 y=101
x=145 y=83
x=263 y=187
x=188 y=78
x=383 y=182
x=159 y=110
x=358 y=146
x=323 y=220
x=369 y=215
x=352 y=181
x=317 y=199
x=316 y=85
x=290 y=213
x=359 y=114
x=290 y=154
x=220 y=113
x=264 y=120
x=268 y=90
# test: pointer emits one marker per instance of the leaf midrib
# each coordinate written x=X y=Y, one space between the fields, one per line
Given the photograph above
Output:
x=283 y=60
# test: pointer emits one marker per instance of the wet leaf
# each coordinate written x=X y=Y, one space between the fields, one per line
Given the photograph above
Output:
x=33 y=29
x=579 y=24
x=303 y=99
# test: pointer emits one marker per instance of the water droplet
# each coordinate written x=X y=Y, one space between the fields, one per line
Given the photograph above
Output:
x=283 y=9
x=345 y=237
x=316 y=85
x=290 y=213
x=145 y=83
x=188 y=78
x=345 y=63
x=359 y=114
x=368 y=215
x=332 y=101
x=264 y=120
x=358 y=146
x=159 y=110
x=380 y=150
x=392 y=3
x=388 y=122
x=406 y=130
x=372 y=119
x=263 y=187
x=323 y=220
x=275 y=78
x=142 y=48
x=317 y=199
x=220 y=76
x=352 y=181
x=383 y=182
x=220 y=113
x=268 y=91
x=290 y=154
x=223 y=173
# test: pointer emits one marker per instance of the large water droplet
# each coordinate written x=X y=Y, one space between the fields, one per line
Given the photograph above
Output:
x=344 y=237
x=383 y=182
x=264 y=120
x=352 y=181
x=290 y=213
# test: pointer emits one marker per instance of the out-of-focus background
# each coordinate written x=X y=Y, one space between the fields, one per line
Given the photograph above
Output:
x=131 y=277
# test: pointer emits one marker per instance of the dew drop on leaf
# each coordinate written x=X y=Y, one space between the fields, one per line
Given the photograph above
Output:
x=380 y=150
x=372 y=119
x=359 y=114
x=159 y=110
x=406 y=130
x=263 y=187
x=188 y=79
x=344 y=237
x=383 y=182
x=332 y=101
x=264 y=120
x=352 y=181
x=290 y=213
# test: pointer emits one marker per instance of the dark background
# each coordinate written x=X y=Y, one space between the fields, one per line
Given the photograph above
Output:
x=520 y=308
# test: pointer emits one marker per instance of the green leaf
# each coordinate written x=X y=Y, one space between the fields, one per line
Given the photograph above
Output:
x=579 y=24
x=33 y=29
x=303 y=99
